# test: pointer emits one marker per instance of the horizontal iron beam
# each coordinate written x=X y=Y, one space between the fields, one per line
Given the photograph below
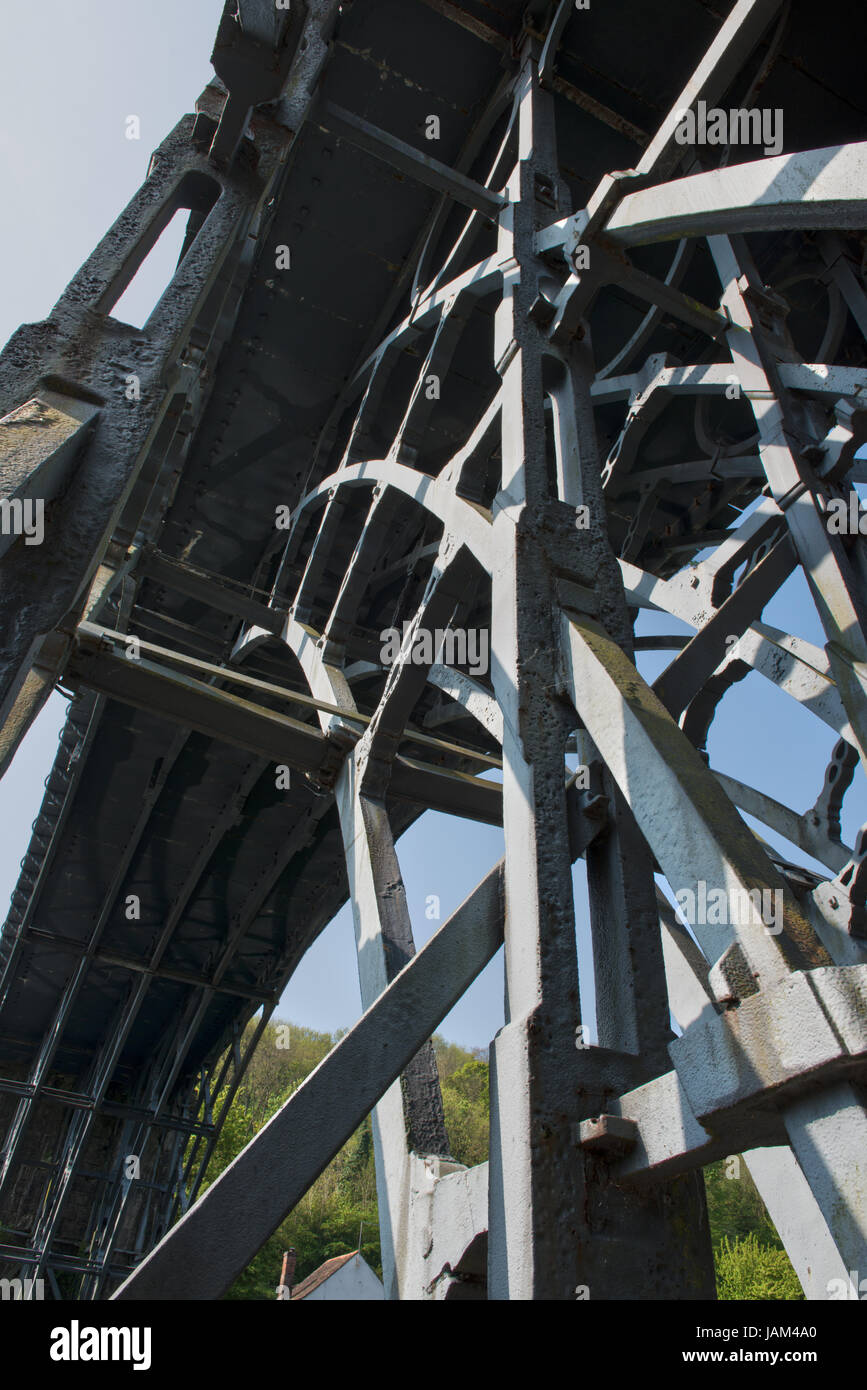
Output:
x=99 y=661
x=121 y=642
x=815 y=188
x=24 y=1255
x=449 y=10
x=146 y=685
x=812 y=189
x=421 y=167
x=80 y=1100
x=143 y=967
x=208 y=590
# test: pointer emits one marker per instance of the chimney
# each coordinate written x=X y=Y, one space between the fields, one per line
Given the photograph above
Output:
x=287 y=1274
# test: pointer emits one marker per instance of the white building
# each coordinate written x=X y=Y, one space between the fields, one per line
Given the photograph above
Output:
x=344 y=1277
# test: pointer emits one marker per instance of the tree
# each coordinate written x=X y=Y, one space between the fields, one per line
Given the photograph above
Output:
x=466 y=1106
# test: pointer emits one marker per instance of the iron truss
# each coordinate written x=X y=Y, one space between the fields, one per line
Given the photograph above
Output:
x=518 y=419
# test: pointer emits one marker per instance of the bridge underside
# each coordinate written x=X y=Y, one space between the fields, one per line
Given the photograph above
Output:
x=463 y=337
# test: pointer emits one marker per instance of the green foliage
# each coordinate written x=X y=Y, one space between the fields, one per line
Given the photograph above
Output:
x=466 y=1107
x=273 y=1074
x=748 y=1253
x=734 y=1205
x=745 y=1268
x=451 y=1056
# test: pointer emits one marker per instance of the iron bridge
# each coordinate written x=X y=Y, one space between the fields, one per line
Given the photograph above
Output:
x=465 y=335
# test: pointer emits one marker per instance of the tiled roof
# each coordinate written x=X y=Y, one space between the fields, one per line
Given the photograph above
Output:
x=319 y=1275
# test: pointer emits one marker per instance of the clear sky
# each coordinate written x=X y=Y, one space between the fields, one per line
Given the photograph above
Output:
x=70 y=75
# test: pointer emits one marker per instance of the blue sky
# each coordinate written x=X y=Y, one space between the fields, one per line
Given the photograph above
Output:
x=70 y=75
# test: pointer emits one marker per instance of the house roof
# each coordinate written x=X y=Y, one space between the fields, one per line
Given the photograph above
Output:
x=319 y=1275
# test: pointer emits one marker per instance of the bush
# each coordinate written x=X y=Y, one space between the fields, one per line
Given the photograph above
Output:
x=747 y=1269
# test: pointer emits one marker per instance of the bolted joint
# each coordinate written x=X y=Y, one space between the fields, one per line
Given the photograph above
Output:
x=336 y=747
x=731 y=979
x=203 y=132
x=53 y=652
x=608 y=1135
x=545 y=191
x=567 y=324
x=541 y=311
x=595 y=806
